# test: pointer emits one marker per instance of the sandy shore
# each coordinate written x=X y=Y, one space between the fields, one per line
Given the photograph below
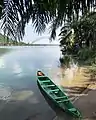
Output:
x=87 y=104
x=73 y=82
x=81 y=90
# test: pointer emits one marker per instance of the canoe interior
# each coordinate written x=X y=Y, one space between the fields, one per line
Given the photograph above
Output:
x=54 y=92
x=57 y=95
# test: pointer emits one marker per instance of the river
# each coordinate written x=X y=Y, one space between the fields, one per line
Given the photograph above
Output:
x=20 y=97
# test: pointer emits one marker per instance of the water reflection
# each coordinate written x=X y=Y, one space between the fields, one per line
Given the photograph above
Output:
x=21 y=95
x=17 y=69
x=61 y=115
x=5 y=92
x=25 y=99
x=2 y=62
x=25 y=95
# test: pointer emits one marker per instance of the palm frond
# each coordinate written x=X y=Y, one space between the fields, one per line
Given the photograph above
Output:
x=16 y=13
x=12 y=15
x=40 y=17
x=9 y=17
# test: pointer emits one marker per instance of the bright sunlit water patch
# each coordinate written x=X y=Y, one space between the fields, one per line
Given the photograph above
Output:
x=33 y=100
x=22 y=95
x=2 y=62
x=5 y=92
x=48 y=66
x=69 y=73
x=17 y=69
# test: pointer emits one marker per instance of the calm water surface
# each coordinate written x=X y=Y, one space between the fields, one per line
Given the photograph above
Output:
x=20 y=97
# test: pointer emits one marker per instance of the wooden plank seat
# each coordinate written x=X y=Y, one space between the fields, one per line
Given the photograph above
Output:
x=72 y=109
x=55 y=90
x=45 y=81
x=61 y=101
x=61 y=97
x=49 y=85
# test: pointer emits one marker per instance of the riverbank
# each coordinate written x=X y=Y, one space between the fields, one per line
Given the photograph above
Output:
x=87 y=103
x=81 y=91
x=73 y=82
x=80 y=87
x=76 y=81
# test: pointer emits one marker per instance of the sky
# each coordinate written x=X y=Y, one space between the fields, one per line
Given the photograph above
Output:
x=32 y=36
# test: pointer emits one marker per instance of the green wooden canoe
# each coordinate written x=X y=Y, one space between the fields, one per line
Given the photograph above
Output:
x=56 y=95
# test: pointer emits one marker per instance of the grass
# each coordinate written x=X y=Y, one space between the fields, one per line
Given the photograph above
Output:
x=2 y=39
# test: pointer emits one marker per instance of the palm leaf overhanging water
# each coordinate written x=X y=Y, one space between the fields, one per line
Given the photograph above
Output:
x=17 y=13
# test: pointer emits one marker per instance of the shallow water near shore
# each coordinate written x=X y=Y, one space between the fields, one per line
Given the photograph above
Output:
x=20 y=97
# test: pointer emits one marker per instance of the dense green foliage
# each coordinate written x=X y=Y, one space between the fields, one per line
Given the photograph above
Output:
x=4 y=40
x=85 y=30
x=82 y=42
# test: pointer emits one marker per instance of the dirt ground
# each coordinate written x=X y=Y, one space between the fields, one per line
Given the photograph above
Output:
x=81 y=90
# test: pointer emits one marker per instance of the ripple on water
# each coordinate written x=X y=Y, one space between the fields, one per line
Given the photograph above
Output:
x=5 y=92
x=21 y=95
x=2 y=62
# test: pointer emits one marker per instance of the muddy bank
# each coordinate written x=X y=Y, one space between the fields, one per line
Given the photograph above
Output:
x=72 y=81
x=81 y=89
x=87 y=104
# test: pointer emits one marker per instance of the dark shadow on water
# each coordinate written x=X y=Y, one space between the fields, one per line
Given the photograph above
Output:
x=74 y=90
x=61 y=114
x=4 y=51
